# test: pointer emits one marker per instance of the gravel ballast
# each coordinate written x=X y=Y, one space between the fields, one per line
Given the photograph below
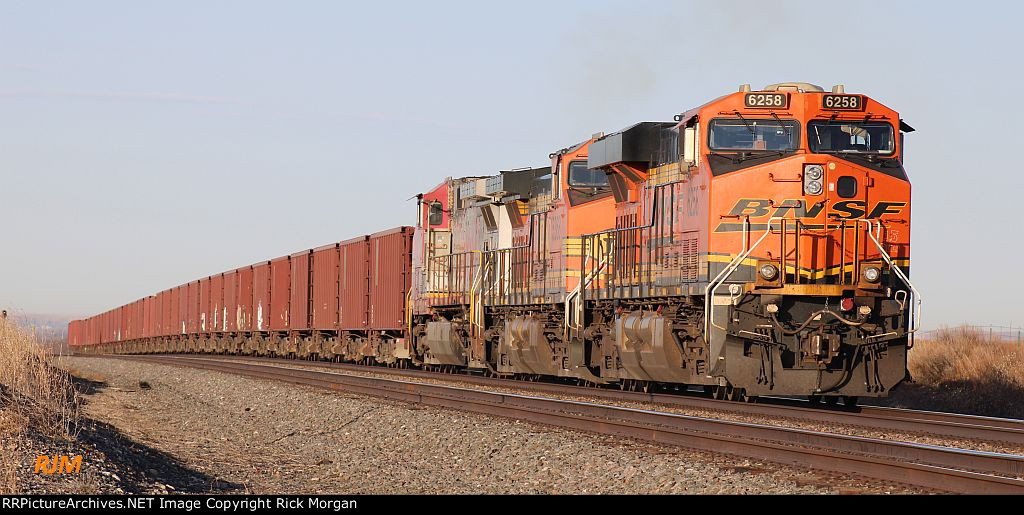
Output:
x=721 y=414
x=265 y=437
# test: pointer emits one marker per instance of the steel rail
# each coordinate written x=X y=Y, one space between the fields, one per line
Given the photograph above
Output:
x=932 y=467
x=973 y=427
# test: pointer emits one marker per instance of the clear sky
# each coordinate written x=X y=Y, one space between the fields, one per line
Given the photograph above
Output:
x=145 y=144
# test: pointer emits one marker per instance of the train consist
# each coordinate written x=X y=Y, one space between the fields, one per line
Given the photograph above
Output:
x=756 y=245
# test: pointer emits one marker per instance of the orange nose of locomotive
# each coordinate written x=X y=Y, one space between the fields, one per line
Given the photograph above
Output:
x=809 y=248
x=815 y=175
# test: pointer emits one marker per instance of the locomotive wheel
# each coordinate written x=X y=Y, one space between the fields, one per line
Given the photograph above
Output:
x=814 y=399
x=831 y=401
x=720 y=393
x=850 y=401
x=738 y=395
x=732 y=393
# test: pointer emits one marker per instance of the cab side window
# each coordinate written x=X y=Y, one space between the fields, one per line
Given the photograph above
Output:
x=436 y=215
x=582 y=177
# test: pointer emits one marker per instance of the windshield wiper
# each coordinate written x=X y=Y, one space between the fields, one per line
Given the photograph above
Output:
x=740 y=157
x=871 y=157
x=867 y=154
x=585 y=192
x=784 y=126
x=751 y=155
x=745 y=122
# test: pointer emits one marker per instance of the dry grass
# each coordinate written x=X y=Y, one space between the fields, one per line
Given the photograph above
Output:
x=34 y=396
x=964 y=354
x=961 y=370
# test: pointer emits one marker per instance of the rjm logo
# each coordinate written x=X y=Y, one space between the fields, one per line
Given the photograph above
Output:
x=58 y=465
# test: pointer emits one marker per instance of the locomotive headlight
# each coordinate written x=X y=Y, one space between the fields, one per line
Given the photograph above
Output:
x=813 y=172
x=812 y=187
x=768 y=272
x=872 y=274
x=813 y=175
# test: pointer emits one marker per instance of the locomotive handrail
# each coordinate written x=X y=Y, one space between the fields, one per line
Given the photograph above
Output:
x=874 y=231
x=529 y=243
x=652 y=217
x=615 y=232
x=475 y=311
x=877 y=225
x=709 y=290
x=573 y=296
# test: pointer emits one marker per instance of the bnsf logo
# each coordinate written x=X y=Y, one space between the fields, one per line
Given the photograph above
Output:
x=798 y=208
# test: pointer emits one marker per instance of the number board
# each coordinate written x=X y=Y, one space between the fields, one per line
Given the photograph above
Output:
x=842 y=102
x=766 y=100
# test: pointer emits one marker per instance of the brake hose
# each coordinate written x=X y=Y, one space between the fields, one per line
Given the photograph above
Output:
x=811 y=319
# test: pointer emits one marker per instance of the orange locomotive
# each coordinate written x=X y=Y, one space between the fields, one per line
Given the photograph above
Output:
x=757 y=245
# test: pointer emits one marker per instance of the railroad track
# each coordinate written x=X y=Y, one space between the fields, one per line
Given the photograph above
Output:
x=954 y=425
x=927 y=466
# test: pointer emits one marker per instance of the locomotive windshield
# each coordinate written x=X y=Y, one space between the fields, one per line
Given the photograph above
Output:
x=850 y=137
x=746 y=134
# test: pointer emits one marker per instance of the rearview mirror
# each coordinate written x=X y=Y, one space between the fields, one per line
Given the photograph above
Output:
x=690 y=146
